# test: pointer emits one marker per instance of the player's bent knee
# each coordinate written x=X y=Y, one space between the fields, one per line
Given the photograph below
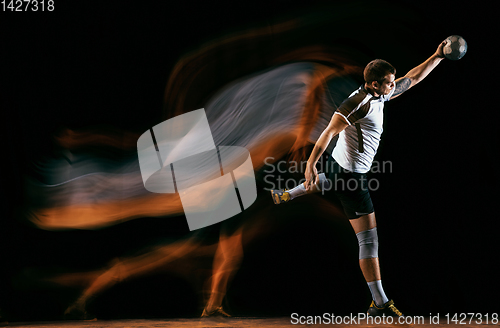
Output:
x=368 y=243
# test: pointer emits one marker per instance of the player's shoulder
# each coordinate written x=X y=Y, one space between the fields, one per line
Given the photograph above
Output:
x=355 y=99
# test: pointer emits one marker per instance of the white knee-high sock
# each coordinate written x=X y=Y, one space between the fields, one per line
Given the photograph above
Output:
x=378 y=294
x=300 y=190
x=297 y=191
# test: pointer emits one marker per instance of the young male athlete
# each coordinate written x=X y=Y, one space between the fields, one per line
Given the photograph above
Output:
x=358 y=121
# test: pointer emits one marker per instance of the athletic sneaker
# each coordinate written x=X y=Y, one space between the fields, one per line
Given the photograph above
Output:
x=389 y=310
x=218 y=312
x=280 y=196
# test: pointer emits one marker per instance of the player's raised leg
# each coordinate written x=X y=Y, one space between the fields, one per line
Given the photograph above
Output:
x=365 y=228
x=282 y=196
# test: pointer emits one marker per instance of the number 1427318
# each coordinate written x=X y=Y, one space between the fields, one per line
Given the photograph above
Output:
x=27 y=5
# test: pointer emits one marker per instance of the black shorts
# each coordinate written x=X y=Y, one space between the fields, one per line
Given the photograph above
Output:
x=351 y=189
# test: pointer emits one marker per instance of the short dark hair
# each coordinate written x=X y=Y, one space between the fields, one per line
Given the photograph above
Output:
x=377 y=69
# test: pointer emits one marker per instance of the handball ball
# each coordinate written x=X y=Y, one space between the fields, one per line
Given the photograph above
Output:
x=455 y=47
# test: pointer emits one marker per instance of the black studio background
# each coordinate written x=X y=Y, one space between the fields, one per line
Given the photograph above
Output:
x=108 y=64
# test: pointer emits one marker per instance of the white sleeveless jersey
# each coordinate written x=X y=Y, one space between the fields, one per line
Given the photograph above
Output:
x=358 y=143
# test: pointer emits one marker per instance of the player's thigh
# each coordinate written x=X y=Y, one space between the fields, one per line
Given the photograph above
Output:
x=364 y=222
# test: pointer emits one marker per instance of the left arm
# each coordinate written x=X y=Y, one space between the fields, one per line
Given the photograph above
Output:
x=418 y=73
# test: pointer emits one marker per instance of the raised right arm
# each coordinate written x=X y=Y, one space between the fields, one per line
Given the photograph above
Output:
x=419 y=73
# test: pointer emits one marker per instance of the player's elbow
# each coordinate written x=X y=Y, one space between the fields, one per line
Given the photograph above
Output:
x=414 y=79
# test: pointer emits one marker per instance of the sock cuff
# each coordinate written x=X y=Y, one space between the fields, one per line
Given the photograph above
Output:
x=376 y=282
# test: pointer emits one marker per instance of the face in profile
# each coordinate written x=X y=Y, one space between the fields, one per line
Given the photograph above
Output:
x=385 y=87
